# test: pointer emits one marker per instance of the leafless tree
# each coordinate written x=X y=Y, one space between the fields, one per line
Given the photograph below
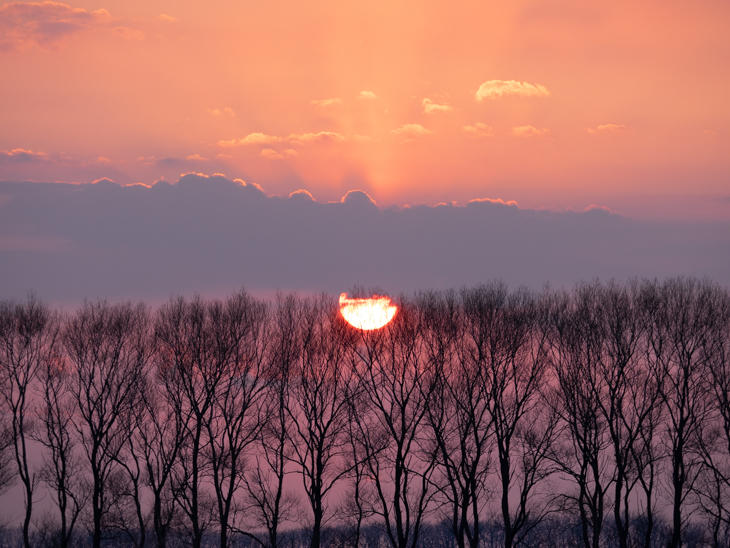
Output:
x=62 y=469
x=682 y=313
x=393 y=372
x=626 y=394
x=458 y=411
x=509 y=349
x=28 y=333
x=577 y=340
x=268 y=502
x=713 y=486
x=186 y=353
x=107 y=346
x=318 y=405
x=240 y=327
x=160 y=430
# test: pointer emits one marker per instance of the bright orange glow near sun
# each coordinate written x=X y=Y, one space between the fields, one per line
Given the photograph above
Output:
x=369 y=313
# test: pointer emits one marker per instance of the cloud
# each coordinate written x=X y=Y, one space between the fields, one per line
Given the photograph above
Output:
x=301 y=194
x=258 y=138
x=196 y=157
x=315 y=137
x=45 y=23
x=167 y=18
x=255 y=138
x=429 y=107
x=606 y=128
x=529 y=131
x=492 y=89
x=500 y=201
x=210 y=233
x=22 y=155
x=367 y=95
x=479 y=129
x=219 y=112
x=272 y=154
x=411 y=131
x=329 y=102
x=358 y=198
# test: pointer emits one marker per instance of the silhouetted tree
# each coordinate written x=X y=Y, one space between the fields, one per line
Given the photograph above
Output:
x=577 y=340
x=107 y=346
x=269 y=504
x=237 y=417
x=318 y=405
x=458 y=411
x=62 y=469
x=683 y=317
x=28 y=333
x=393 y=372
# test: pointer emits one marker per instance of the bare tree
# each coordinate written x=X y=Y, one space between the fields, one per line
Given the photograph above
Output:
x=713 y=486
x=577 y=340
x=682 y=313
x=626 y=394
x=458 y=411
x=509 y=349
x=393 y=372
x=107 y=345
x=239 y=328
x=318 y=405
x=186 y=353
x=161 y=433
x=270 y=505
x=27 y=334
x=62 y=470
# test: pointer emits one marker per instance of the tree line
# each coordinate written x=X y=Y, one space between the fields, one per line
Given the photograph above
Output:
x=604 y=410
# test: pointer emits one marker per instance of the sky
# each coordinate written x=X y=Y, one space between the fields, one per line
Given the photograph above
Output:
x=556 y=105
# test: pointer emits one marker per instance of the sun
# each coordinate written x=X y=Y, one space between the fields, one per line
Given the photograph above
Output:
x=368 y=313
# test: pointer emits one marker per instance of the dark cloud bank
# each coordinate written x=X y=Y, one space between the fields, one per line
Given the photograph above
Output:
x=212 y=235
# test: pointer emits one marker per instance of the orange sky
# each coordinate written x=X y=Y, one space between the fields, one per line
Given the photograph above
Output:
x=555 y=104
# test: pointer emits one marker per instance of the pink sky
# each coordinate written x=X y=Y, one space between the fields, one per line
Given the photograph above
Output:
x=554 y=104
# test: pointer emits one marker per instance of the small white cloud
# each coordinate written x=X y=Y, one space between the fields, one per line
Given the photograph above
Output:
x=315 y=137
x=255 y=138
x=196 y=158
x=606 y=128
x=529 y=131
x=324 y=103
x=493 y=89
x=272 y=154
x=429 y=106
x=167 y=18
x=367 y=94
x=220 y=112
x=479 y=129
x=411 y=131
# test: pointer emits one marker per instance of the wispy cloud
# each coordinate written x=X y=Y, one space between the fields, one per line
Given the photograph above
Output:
x=256 y=138
x=22 y=155
x=529 y=131
x=411 y=131
x=167 y=18
x=316 y=137
x=48 y=23
x=429 y=106
x=493 y=89
x=328 y=102
x=606 y=128
x=367 y=94
x=273 y=154
x=479 y=129
x=221 y=112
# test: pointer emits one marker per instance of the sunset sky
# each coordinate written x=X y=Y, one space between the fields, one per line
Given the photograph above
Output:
x=553 y=104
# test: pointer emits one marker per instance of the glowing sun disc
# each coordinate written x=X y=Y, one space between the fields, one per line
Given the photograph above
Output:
x=367 y=314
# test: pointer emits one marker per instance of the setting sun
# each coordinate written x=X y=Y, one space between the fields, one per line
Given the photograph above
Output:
x=367 y=313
